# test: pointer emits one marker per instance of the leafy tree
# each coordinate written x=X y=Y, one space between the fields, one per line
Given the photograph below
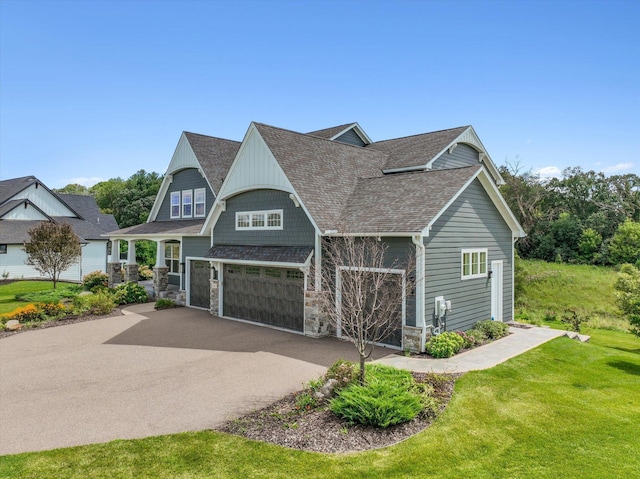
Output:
x=73 y=189
x=370 y=294
x=624 y=247
x=52 y=249
x=130 y=201
x=628 y=295
x=589 y=245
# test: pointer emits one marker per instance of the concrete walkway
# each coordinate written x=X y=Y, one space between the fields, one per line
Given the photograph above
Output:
x=484 y=357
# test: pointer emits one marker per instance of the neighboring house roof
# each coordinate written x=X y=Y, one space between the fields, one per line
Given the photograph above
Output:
x=181 y=227
x=88 y=209
x=215 y=156
x=322 y=172
x=416 y=150
x=17 y=231
x=10 y=188
x=401 y=203
x=261 y=254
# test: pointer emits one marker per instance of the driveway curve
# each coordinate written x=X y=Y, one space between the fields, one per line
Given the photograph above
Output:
x=147 y=374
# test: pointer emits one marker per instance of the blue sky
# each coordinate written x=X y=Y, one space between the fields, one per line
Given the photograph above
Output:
x=92 y=90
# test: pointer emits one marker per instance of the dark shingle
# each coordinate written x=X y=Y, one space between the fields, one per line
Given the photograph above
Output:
x=9 y=188
x=323 y=172
x=402 y=202
x=87 y=208
x=186 y=227
x=215 y=155
x=328 y=133
x=416 y=150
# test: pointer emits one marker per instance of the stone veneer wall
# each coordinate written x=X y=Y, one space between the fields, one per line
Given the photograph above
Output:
x=114 y=270
x=412 y=339
x=160 y=280
x=315 y=323
x=132 y=273
x=214 y=303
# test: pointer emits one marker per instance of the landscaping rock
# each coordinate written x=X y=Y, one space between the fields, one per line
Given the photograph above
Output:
x=13 y=325
x=326 y=391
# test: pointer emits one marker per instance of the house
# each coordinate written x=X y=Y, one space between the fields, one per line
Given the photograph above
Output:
x=26 y=202
x=240 y=225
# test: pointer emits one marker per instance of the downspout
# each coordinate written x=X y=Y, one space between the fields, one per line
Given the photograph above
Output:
x=420 y=278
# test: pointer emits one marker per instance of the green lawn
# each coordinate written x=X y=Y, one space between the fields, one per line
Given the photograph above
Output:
x=8 y=293
x=551 y=288
x=563 y=410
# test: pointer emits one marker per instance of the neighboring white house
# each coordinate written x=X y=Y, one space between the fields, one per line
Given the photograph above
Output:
x=25 y=202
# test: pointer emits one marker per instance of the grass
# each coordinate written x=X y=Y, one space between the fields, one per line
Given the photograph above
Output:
x=8 y=301
x=563 y=410
x=552 y=288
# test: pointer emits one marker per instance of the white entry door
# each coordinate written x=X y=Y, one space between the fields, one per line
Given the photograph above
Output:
x=497 y=297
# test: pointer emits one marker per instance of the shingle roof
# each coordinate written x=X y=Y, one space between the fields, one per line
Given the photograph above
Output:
x=322 y=172
x=185 y=227
x=87 y=208
x=402 y=202
x=328 y=133
x=17 y=231
x=416 y=150
x=215 y=155
x=271 y=254
x=9 y=188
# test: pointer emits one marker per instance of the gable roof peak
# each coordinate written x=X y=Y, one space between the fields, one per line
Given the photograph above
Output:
x=407 y=137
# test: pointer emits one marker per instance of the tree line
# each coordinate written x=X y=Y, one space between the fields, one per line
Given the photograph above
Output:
x=582 y=217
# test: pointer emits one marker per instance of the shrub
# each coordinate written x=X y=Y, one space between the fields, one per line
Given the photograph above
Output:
x=65 y=291
x=342 y=371
x=25 y=313
x=130 y=293
x=52 y=310
x=389 y=397
x=165 y=303
x=628 y=295
x=472 y=338
x=444 y=345
x=101 y=302
x=144 y=273
x=305 y=401
x=94 y=280
x=492 y=329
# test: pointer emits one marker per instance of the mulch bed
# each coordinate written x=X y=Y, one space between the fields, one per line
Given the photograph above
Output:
x=320 y=430
x=59 y=322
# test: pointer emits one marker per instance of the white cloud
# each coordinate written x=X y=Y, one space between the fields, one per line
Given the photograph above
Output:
x=84 y=181
x=549 y=172
x=617 y=168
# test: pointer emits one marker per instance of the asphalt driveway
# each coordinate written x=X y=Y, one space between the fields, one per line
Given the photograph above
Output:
x=147 y=374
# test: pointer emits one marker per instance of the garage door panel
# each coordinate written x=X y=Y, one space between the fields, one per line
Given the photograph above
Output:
x=270 y=297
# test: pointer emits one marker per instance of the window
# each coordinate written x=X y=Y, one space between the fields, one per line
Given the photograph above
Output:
x=187 y=204
x=252 y=270
x=200 y=201
x=474 y=263
x=175 y=204
x=172 y=257
x=273 y=272
x=259 y=220
x=3 y=249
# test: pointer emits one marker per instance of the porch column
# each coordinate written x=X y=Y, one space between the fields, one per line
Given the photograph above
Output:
x=160 y=271
x=114 y=269
x=132 y=266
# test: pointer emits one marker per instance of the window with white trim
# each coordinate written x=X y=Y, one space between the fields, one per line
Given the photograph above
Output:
x=187 y=204
x=172 y=257
x=259 y=220
x=175 y=204
x=199 y=199
x=474 y=263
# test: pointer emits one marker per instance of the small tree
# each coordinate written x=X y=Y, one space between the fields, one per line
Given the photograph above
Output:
x=363 y=291
x=52 y=249
x=628 y=295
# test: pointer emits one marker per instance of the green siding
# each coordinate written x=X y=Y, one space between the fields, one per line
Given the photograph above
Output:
x=189 y=179
x=297 y=229
x=462 y=155
x=472 y=221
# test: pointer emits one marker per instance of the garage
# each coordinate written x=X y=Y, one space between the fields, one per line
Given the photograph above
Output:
x=267 y=295
x=199 y=286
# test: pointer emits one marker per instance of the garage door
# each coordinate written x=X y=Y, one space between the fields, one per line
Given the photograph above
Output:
x=273 y=296
x=199 y=289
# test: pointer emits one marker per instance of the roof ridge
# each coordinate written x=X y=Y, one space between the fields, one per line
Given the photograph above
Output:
x=417 y=134
x=209 y=136
x=333 y=142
